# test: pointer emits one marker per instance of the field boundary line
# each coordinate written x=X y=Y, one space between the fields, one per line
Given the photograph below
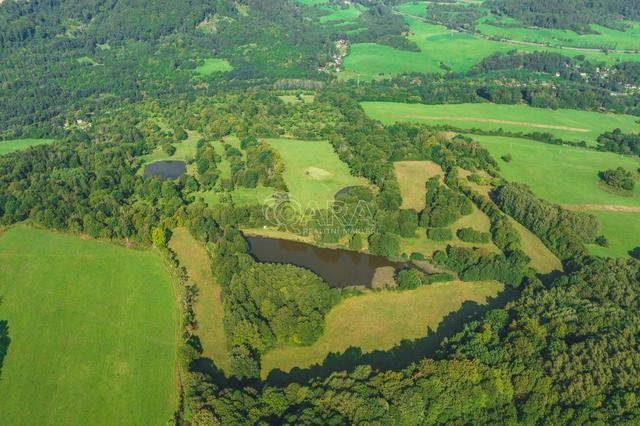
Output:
x=488 y=120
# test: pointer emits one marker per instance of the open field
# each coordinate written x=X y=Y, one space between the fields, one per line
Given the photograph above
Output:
x=93 y=329
x=568 y=124
x=622 y=231
x=560 y=174
x=213 y=65
x=412 y=176
x=438 y=45
x=208 y=307
x=542 y=259
x=9 y=146
x=381 y=320
x=313 y=171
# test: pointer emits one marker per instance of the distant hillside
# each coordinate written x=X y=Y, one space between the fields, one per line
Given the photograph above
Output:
x=571 y=14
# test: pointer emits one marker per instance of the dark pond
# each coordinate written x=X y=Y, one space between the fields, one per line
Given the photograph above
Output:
x=345 y=190
x=339 y=268
x=166 y=169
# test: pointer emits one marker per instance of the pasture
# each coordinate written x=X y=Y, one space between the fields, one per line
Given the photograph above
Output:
x=208 y=306
x=568 y=124
x=622 y=230
x=185 y=150
x=560 y=174
x=344 y=14
x=441 y=47
x=9 y=146
x=313 y=171
x=380 y=321
x=93 y=329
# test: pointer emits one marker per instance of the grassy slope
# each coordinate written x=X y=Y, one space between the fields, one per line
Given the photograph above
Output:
x=542 y=259
x=9 y=146
x=560 y=174
x=208 y=308
x=381 y=320
x=622 y=231
x=93 y=330
x=568 y=124
x=459 y=51
x=305 y=182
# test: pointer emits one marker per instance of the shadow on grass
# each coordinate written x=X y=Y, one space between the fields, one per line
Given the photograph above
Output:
x=4 y=342
x=400 y=356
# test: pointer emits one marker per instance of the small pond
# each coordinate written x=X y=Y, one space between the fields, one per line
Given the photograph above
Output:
x=339 y=268
x=166 y=169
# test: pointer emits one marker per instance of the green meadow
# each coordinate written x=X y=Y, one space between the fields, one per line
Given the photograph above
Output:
x=185 y=150
x=9 y=146
x=568 y=124
x=441 y=47
x=622 y=230
x=213 y=65
x=313 y=171
x=560 y=174
x=349 y=13
x=93 y=329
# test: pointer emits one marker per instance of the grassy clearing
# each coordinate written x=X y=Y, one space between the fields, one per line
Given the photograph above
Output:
x=346 y=14
x=313 y=171
x=380 y=321
x=185 y=150
x=568 y=124
x=208 y=308
x=421 y=244
x=9 y=146
x=560 y=174
x=542 y=259
x=622 y=231
x=213 y=65
x=439 y=45
x=294 y=99
x=412 y=176
x=93 y=328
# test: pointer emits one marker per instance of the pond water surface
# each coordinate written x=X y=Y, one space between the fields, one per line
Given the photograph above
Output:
x=166 y=169
x=338 y=267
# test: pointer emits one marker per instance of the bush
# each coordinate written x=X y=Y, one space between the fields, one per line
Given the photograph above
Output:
x=387 y=245
x=618 y=179
x=355 y=243
x=439 y=234
x=507 y=158
x=168 y=149
x=602 y=241
x=440 y=277
x=417 y=256
x=470 y=235
x=409 y=279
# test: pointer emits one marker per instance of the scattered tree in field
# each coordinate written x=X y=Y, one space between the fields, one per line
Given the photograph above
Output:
x=409 y=279
x=439 y=234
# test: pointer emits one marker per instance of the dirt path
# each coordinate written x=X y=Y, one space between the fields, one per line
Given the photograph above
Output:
x=487 y=120
x=601 y=208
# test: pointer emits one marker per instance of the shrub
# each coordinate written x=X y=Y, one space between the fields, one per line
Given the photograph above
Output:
x=440 y=277
x=409 y=279
x=470 y=235
x=619 y=178
x=439 y=234
x=507 y=158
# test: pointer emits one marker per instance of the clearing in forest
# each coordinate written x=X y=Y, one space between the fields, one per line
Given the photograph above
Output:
x=93 y=329
x=381 y=320
x=412 y=177
x=9 y=146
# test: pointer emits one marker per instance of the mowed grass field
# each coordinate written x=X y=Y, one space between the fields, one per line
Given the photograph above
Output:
x=185 y=150
x=313 y=171
x=208 y=307
x=93 y=329
x=560 y=174
x=438 y=45
x=9 y=146
x=622 y=230
x=380 y=321
x=568 y=124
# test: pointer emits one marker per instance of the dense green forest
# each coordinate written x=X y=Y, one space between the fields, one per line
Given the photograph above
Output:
x=115 y=82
